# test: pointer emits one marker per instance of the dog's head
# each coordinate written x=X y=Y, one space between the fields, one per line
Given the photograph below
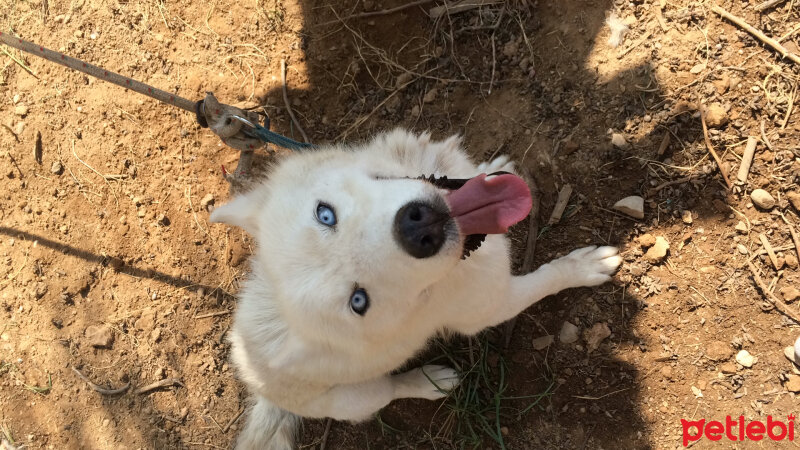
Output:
x=351 y=241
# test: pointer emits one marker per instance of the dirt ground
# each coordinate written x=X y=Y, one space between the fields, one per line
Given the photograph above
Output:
x=110 y=230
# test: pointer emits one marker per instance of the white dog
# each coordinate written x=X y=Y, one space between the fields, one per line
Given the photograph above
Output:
x=360 y=261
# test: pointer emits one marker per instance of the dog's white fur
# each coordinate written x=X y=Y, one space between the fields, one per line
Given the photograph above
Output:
x=295 y=341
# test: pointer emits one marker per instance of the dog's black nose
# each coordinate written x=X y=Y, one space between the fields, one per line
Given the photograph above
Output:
x=420 y=228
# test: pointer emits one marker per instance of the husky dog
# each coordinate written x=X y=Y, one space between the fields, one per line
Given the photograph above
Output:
x=364 y=253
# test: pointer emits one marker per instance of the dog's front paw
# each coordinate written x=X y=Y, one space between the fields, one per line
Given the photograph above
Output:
x=500 y=164
x=430 y=382
x=589 y=266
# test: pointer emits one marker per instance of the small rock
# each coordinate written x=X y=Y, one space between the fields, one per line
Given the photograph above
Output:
x=728 y=368
x=647 y=240
x=415 y=111
x=792 y=383
x=746 y=359
x=568 y=334
x=666 y=372
x=742 y=249
x=794 y=199
x=741 y=227
x=697 y=68
x=595 y=335
x=430 y=95
x=402 y=79
x=207 y=200
x=56 y=168
x=686 y=216
x=722 y=84
x=163 y=220
x=697 y=392
x=618 y=140
x=790 y=293
x=155 y=335
x=632 y=206
x=762 y=199
x=511 y=48
x=21 y=110
x=791 y=261
x=570 y=146
x=658 y=251
x=543 y=342
x=718 y=351
x=100 y=336
x=789 y=353
x=15 y=99
x=716 y=115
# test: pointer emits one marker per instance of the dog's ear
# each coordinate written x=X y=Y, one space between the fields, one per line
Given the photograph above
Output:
x=242 y=212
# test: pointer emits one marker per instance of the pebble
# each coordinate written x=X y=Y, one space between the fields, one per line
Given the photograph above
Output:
x=632 y=206
x=511 y=48
x=790 y=354
x=647 y=240
x=596 y=335
x=658 y=251
x=697 y=68
x=728 y=368
x=792 y=383
x=207 y=200
x=762 y=199
x=718 y=351
x=716 y=115
x=790 y=293
x=163 y=220
x=15 y=99
x=21 y=110
x=742 y=249
x=697 y=392
x=56 y=168
x=666 y=372
x=791 y=261
x=430 y=95
x=543 y=342
x=686 y=216
x=100 y=336
x=618 y=140
x=794 y=199
x=741 y=227
x=746 y=359
x=722 y=84
x=569 y=333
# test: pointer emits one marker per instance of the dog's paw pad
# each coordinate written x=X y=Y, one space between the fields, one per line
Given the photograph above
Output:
x=500 y=164
x=591 y=266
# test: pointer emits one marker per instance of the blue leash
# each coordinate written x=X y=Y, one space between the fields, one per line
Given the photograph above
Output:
x=264 y=135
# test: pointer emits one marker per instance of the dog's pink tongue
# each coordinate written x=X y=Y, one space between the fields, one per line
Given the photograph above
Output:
x=489 y=205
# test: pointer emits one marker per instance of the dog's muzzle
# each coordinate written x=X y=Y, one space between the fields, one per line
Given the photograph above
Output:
x=420 y=228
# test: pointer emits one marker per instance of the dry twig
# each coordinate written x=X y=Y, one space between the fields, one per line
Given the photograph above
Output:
x=158 y=384
x=100 y=389
x=795 y=237
x=530 y=247
x=747 y=159
x=711 y=147
x=288 y=106
x=458 y=7
x=382 y=12
x=778 y=303
x=768 y=4
x=758 y=34
x=770 y=252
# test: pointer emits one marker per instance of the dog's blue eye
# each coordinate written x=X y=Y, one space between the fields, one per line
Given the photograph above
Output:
x=359 y=301
x=325 y=215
